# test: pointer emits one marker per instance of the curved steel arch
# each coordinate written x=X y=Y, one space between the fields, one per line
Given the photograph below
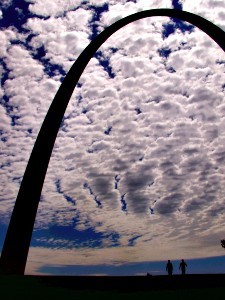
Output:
x=17 y=241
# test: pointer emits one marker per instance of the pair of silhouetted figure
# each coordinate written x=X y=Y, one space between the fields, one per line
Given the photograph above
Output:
x=182 y=267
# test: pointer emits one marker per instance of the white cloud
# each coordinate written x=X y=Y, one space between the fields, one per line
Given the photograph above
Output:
x=20 y=63
x=5 y=120
x=6 y=36
x=211 y=10
x=62 y=38
x=49 y=8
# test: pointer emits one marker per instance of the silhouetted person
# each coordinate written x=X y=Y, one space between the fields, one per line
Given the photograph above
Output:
x=169 y=267
x=183 y=266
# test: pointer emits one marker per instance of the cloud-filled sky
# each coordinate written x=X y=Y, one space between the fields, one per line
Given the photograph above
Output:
x=137 y=173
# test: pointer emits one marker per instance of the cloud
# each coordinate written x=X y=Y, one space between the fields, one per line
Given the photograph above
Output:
x=6 y=3
x=56 y=8
x=139 y=155
x=169 y=204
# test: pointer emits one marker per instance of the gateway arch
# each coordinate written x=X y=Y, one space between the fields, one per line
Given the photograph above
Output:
x=16 y=246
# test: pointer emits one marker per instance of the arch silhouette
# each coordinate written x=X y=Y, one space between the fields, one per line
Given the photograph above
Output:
x=16 y=246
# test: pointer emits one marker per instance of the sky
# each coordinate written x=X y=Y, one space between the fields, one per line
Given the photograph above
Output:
x=137 y=172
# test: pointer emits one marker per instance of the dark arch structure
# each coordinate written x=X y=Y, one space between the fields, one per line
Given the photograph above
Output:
x=18 y=237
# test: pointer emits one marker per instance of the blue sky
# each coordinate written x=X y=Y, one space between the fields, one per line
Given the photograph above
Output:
x=194 y=266
x=137 y=172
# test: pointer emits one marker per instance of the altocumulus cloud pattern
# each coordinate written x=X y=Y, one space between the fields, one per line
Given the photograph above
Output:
x=124 y=185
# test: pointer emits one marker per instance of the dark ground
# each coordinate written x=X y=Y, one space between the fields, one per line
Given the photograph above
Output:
x=135 y=283
x=207 y=286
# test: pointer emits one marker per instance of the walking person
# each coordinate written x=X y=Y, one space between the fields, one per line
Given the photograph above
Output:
x=183 y=266
x=169 y=267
